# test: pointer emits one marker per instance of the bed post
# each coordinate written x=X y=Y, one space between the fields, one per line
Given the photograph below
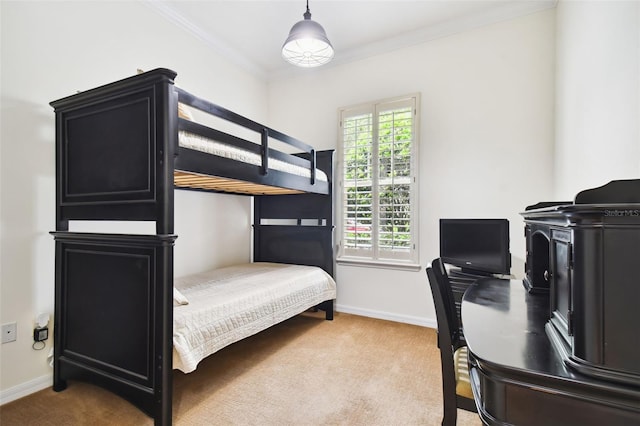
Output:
x=327 y=307
x=167 y=107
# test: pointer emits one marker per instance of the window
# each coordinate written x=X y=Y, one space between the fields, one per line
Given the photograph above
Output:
x=378 y=214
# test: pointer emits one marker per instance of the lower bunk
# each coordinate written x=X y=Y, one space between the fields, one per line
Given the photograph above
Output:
x=123 y=323
x=216 y=308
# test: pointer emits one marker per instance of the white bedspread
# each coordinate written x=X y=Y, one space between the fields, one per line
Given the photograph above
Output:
x=200 y=143
x=229 y=304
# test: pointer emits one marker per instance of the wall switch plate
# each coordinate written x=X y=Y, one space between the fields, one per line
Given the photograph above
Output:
x=9 y=332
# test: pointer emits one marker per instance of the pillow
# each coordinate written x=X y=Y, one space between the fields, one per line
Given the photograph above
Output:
x=178 y=298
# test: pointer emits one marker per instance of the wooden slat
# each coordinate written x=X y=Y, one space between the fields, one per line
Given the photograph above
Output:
x=184 y=179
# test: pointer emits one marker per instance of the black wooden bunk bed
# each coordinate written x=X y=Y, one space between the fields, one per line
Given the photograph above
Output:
x=118 y=158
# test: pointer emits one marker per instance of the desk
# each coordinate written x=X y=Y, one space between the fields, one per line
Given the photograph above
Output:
x=517 y=376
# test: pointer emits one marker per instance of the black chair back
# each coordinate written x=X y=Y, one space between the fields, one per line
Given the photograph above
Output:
x=449 y=340
x=448 y=324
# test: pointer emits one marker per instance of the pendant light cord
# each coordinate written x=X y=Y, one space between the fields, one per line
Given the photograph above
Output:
x=307 y=14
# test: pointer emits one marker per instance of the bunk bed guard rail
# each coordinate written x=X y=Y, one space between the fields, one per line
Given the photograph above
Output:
x=307 y=151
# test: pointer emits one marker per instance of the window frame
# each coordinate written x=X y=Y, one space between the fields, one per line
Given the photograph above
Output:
x=377 y=256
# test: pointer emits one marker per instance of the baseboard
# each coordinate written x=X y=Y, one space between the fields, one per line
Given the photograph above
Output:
x=26 y=388
x=407 y=319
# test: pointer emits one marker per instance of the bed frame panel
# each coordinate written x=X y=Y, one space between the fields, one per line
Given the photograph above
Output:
x=296 y=228
x=95 y=180
x=114 y=292
x=278 y=182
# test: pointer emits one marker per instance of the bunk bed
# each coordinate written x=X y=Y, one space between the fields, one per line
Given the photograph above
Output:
x=121 y=150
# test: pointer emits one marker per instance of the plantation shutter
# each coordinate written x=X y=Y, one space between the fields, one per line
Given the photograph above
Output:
x=378 y=181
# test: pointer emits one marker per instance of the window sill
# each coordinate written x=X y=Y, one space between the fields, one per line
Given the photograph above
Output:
x=404 y=266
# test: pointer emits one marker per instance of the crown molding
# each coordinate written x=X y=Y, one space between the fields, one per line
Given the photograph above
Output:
x=216 y=44
x=424 y=35
x=494 y=15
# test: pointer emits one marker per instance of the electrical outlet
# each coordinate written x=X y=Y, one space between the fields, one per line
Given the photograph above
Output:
x=9 y=332
x=40 y=334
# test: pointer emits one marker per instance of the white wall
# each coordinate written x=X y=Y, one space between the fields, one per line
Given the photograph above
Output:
x=598 y=94
x=51 y=50
x=486 y=139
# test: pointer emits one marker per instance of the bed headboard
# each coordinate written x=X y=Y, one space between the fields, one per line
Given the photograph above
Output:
x=95 y=181
x=296 y=228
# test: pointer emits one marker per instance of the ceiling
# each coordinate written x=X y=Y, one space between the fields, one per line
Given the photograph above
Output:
x=251 y=33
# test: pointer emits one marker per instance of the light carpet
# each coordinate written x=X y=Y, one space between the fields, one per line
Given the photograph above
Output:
x=305 y=371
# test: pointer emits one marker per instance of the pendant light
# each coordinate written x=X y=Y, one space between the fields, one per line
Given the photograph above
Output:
x=307 y=45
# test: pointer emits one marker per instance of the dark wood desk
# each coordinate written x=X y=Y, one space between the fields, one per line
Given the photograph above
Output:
x=517 y=376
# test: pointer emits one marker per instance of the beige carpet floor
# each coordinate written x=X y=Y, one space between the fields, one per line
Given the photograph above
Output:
x=304 y=371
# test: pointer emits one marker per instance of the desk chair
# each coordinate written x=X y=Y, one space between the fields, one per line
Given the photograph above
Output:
x=456 y=387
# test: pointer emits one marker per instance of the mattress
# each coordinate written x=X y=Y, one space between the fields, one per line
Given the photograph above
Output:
x=203 y=144
x=228 y=304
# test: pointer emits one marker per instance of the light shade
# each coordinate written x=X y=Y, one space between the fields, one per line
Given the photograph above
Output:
x=307 y=45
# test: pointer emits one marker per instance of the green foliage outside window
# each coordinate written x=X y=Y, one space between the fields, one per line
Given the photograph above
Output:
x=391 y=183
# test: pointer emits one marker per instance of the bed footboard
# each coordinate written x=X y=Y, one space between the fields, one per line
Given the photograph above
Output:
x=115 y=291
x=298 y=228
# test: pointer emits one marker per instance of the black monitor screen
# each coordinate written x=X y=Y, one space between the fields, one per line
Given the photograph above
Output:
x=476 y=245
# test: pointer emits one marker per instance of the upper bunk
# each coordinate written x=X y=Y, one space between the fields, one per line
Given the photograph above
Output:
x=121 y=149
